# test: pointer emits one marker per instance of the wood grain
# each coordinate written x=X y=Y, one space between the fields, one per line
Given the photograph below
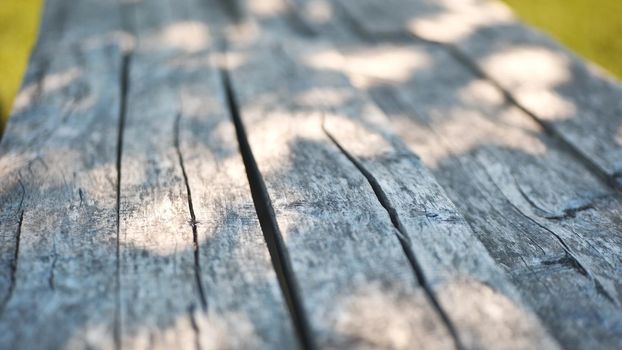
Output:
x=572 y=99
x=195 y=270
x=330 y=221
x=58 y=189
x=544 y=217
x=59 y=206
x=62 y=146
x=299 y=99
x=159 y=192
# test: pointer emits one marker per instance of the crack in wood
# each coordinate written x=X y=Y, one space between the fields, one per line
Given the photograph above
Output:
x=269 y=226
x=611 y=179
x=124 y=83
x=403 y=238
x=18 y=235
x=193 y=220
x=52 y=276
x=195 y=327
x=597 y=284
x=566 y=213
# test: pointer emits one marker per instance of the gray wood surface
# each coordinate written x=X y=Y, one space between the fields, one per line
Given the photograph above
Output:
x=194 y=266
x=466 y=132
x=330 y=221
x=570 y=98
x=159 y=293
x=420 y=215
x=58 y=190
x=544 y=217
x=216 y=175
x=59 y=288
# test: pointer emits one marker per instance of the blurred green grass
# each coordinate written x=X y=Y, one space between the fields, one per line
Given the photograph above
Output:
x=19 y=20
x=592 y=28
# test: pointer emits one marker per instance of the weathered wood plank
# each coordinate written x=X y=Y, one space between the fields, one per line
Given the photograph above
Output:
x=67 y=213
x=295 y=100
x=449 y=255
x=195 y=270
x=569 y=97
x=58 y=191
x=544 y=217
x=330 y=220
x=458 y=269
x=61 y=147
x=158 y=287
x=246 y=308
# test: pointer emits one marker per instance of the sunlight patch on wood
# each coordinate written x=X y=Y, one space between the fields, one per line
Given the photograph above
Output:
x=459 y=20
x=492 y=317
x=396 y=65
x=534 y=74
x=50 y=84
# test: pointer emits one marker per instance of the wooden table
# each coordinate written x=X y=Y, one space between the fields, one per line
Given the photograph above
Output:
x=397 y=174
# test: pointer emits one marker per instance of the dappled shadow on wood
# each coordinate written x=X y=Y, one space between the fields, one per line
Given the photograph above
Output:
x=549 y=223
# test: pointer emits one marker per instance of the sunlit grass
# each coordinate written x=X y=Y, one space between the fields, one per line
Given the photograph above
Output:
x=592 y=28
x=19 y=20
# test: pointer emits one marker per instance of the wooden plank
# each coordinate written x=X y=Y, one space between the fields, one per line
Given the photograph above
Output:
x=57 y=176
x=195 y=270
x=61 y=147
x=159 y=290
x=305 y=172
x=331 y=221
x=65 y=23
x=450 y=257
x=244 y=299
x=546 y=219
x=567 y=96
x=58 y=207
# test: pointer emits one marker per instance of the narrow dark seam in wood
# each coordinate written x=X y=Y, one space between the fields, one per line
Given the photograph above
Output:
x=51 y=277
x=18 y=236
x=567 y=213
x=193 y=219
x=452 y=153
x=403 y=238
x=612 y=180
x=195 y=327
x=581 y=268
x=269 y=226
x=568 y=261
x=124 y=83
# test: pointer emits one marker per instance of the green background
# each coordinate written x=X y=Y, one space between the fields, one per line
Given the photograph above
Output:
x=592 y=28
x=18 y=29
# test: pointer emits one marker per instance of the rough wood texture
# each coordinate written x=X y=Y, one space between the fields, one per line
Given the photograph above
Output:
x=159 y=192
x=511 y=179
x=194 y=265
x=331 y=221
x=301 y=96
x=61 y=147
x=58 y=191
x=452 y=117
x=577 y=102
